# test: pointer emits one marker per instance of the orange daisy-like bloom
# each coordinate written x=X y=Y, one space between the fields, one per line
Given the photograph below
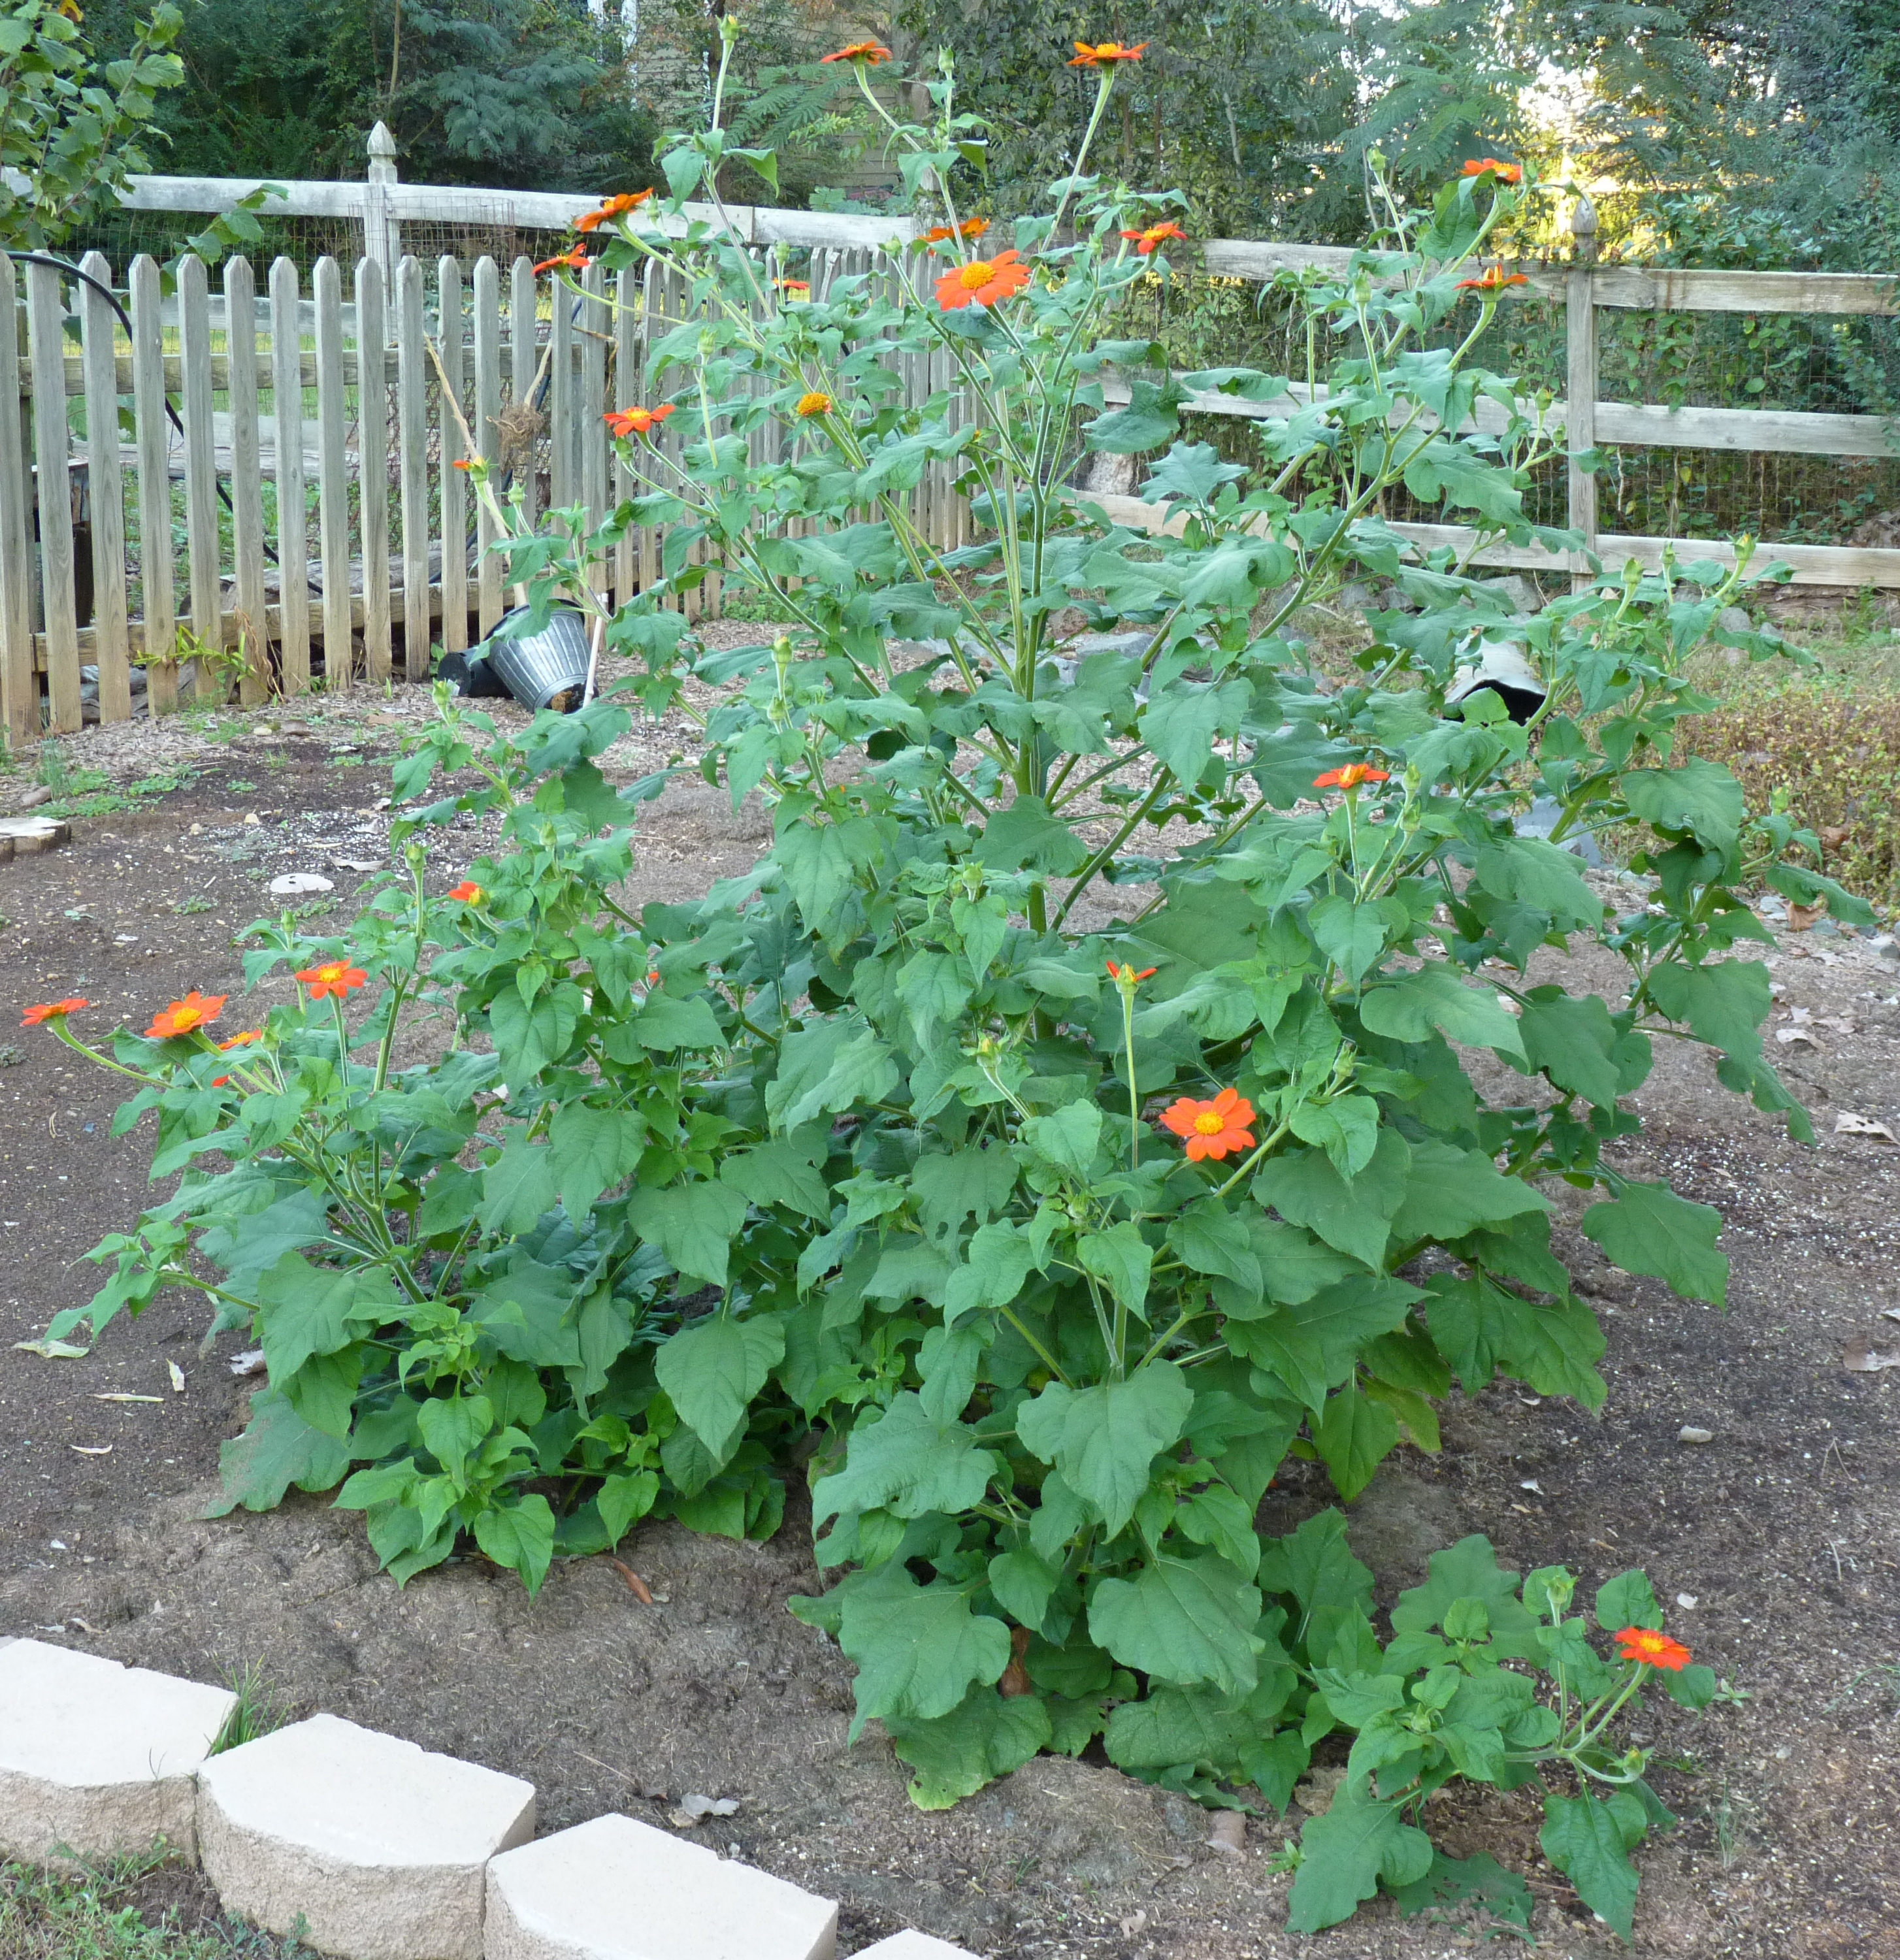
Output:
x=615 y=206
x=1350 y=777
x=794 y=289
x=814 y=403
x=1494 y=280
x=334 y=977
x=52 y=1011
x=468 y=891
x=461 y=463
x=1654 y=1649
x=1155 y=237
x=195 y=1010
x=870 y=51
x=971 y=228
x=982 y=282
x=1120 y=974
x=1509 y=173
x=636 y=421
x=576 y=258
x=1105 y=54
x=1212 y=1129
x=241 y=1041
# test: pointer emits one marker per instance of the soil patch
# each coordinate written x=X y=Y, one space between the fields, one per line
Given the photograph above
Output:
x=1782 y=1530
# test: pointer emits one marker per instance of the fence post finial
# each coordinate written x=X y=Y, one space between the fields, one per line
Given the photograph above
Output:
x=1583 y=226
x=382 y=149
x=382 y=237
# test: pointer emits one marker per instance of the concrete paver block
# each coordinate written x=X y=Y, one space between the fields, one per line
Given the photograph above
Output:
x=911 y=1945
x=96 y=1757
x=614 y=1889
x=377 y=1844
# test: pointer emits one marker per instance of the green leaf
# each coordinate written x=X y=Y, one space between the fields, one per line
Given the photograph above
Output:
x=531 y=1038
x=1121 y=1258
x=985 y=1736
x=592 y=1150
x=1434 y=997
x=1454 y=1191
x=947 y=1360
x=519 y=1186
x=999 y=1261
x=323 y=1390
x=1648 y=1230
x=1222 y=1520
x=1027 y=836
x=953 y=1185
x=782 y=1172
x=1698 y=797
x=1582 y=1838
x=1627 y=1600
x=1346 y=1854
x=713 y=1367
x=1148 y=421
x=1170 y=1727
x=825 y=1066
x=309 y=1310
x=1182 y=1620
x=277 y=1449
x=1465 y=1571
x=908 y=1463
x=1352 y=1214
x=1723 y=1003
x=1103 y=1440
x=693 y=1224
x=918 y=1649
x=1023 y=1584
x=1315 y=1567
x=1068 y=1138
x=1211 y=1239
x=1481 y=1329
x=1571 y=1038
x=1353 y=1436
x=664 y=1024
x=1354 y=936
x=519 y=1535
x=1478 y=1880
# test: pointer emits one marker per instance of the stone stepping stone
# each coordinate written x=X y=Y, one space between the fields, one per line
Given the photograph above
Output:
x=378 y=1845
x=911 y=1945
x=98 y=1758
x=614 y=1889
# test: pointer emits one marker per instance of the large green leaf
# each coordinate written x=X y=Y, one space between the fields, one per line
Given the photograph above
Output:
x=1121 y=1258
x=1103 y=1438
x=985 y=1736
x=714 y=1366
x=1480 y=1328
x=310 y=1309
x=1697 y=797
x=1354 y=1435
x=999 y=1260
x=908 y=1463
x=918 y=1649
x=1352 y=1214
x=1407 y=1008
x=1182 y=1620
x=1198 y=1728
x=593 y=1149
x=1453 y=1191
x=520 y=1534
x=277 y=1449
x=829 y=1065
x=1469 y=1570
x=1354 y=936
x=953 y=1185
x=1346 y=1854
x=1647 y=1229
x=1573 y=1040
x=519 y=1185
x=1724 y=1003
x=783 y=1171
x=1584 y=1839
x=693 y=1223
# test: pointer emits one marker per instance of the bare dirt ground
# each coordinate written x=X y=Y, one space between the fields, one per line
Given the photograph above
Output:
x=1782 y=1531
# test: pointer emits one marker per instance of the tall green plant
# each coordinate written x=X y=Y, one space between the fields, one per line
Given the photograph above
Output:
x=1071 y=1115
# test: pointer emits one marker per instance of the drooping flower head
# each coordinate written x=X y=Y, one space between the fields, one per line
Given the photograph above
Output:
x=982 y=282
x=1493 y=279
x=576 y=259
x=244 y=1040
x=1654 y=1649
x=469 y=892
x=1350 y=777
x=334 y=977
x=794 y=289
x=636 y=421
x=1478 y=166
x=970 y=227
x=52 y=1011
x=195 y=1010
x=869 y=52
x=1211 y=1129
x=813 y=403
x=1105 y=54
x=615 y=206
x=1155 y=237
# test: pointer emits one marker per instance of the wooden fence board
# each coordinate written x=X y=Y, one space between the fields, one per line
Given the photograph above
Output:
x=106 y=483
x=563 y=399
x=412 y=438
x=455 y=482
x=333 y=476
x=293 y=526
x=19 y=688
x=246 y=481
x=373 y=471
x=46 y=313
x=524 y=362
x=157 y=573
x=487 y=437
x=626 y=394
x=590 y=431
x=202 y=555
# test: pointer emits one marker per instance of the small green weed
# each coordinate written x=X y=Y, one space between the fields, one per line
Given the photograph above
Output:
x=95 y=1913
x=259 y=1707
x=237 y=786
x=194 y=904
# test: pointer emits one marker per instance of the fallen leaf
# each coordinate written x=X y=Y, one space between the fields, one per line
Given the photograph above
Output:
x=85 y=1626
x=1834 y=836
x=1861 y=1357
x=1847 y=1124
x=1802 y=917
x=177 y=1378
x=636 y=1585
x=1687 y=1600
x=93 y=1450
x=1788 y=1036
x=1227 y=1831
x=251 y=1362
x=53 y=1350
x=128 y=1399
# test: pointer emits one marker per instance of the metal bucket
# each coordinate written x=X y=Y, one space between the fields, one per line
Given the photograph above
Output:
x=544 y=669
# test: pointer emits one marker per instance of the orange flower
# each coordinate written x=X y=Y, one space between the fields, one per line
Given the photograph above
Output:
x=469 y=892
x=1126 y=975
x=1509 y=173
x=1105 y=54
x=182 y=1016
x=615 y=207
x=636 y=421
x=1494 y=280
x=52 y=1011
x=335 y=977
x=1212 y=1129
x=814 y=403
x=870 y=51
x=982 y=280
x=1654 y=1649
x=577 y=259
x=1155 y=235
x=241 y=1041
x=1350 y=777
x=971 y=228
x=794 y=288
x=461 y=463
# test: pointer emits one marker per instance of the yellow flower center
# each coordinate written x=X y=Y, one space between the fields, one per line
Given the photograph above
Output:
x=975 y=274
x=1210 y=1123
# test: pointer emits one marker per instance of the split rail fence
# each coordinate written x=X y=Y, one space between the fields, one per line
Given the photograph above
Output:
x=167 y=526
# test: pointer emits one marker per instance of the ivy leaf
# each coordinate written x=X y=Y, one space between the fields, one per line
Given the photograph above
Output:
x=1582 y=1839
x=713 y=1367
x=985 y=1736
x=906 y=1463
x=277 y=1449
x=1103 y=1440
x=693 y=1223
x=1648 y=1230
x=1346 y=1854
x=1182 y=1620
x=918 y=1649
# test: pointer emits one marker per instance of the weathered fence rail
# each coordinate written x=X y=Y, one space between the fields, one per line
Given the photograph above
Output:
x=297 y=439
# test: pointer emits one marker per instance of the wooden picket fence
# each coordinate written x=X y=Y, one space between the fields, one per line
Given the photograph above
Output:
x=314 y=397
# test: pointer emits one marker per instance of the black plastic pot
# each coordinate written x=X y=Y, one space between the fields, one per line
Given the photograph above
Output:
x=544 y=669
